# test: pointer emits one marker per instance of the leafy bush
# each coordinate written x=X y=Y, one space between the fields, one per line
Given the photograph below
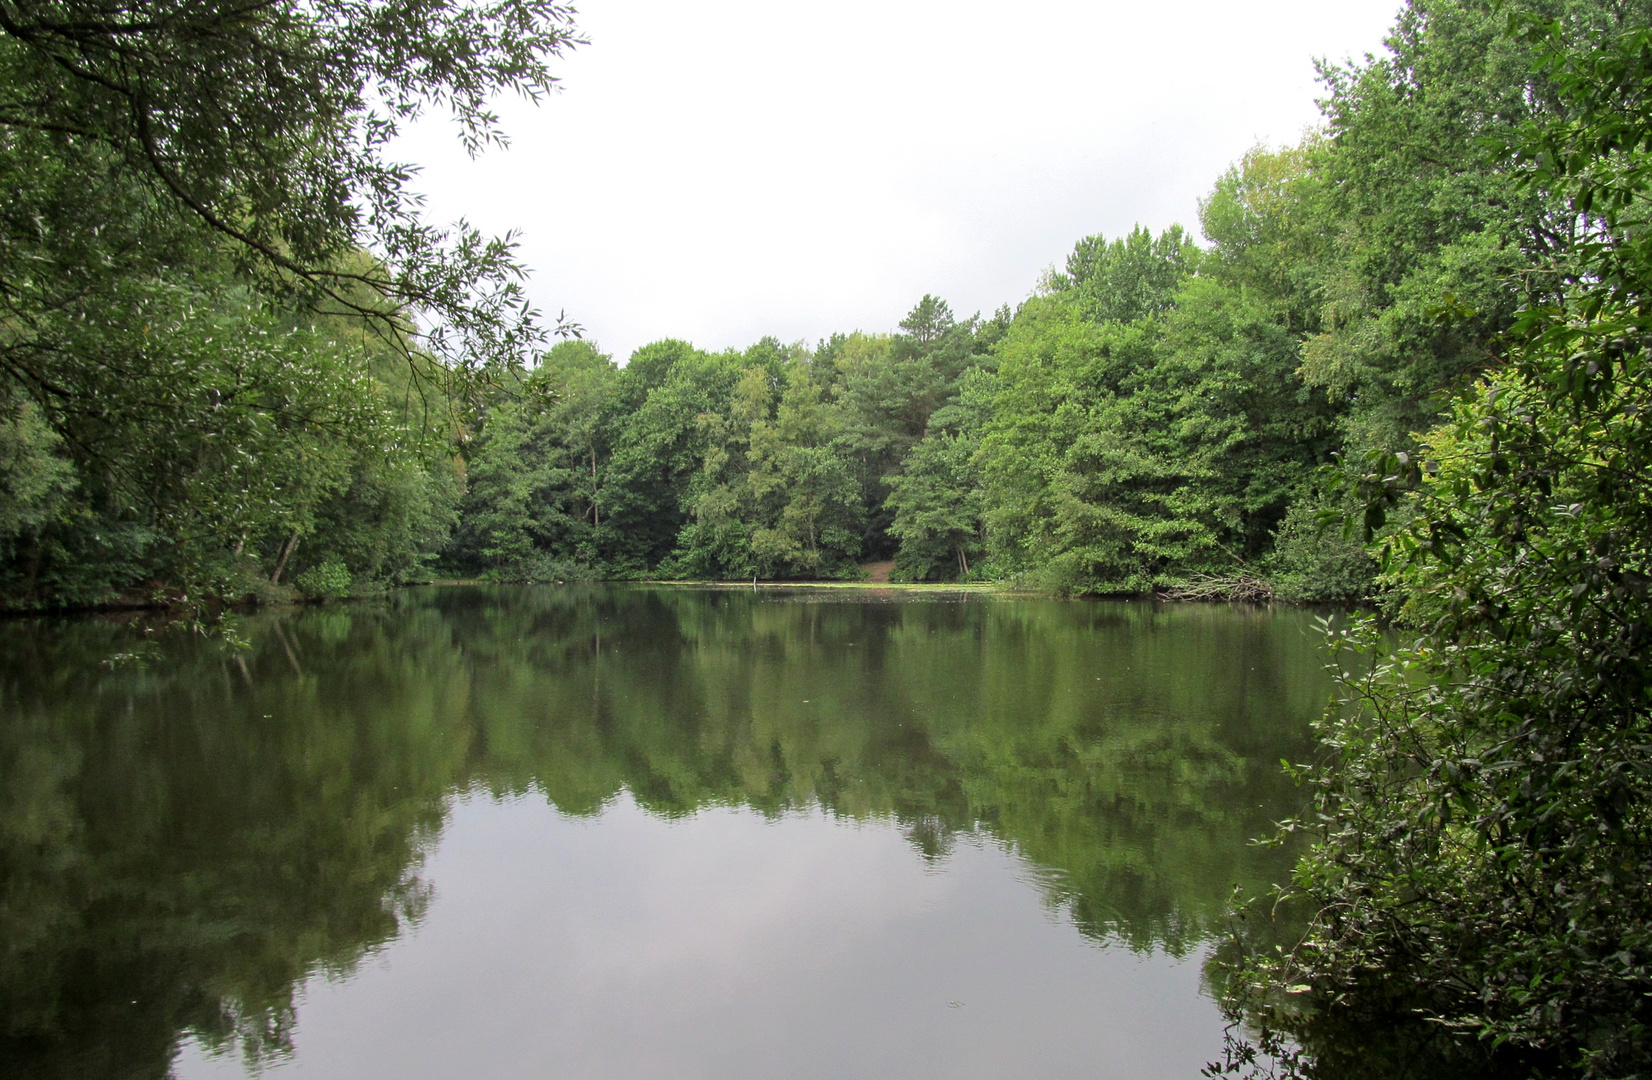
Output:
x=1314 y=564
x=327 y=580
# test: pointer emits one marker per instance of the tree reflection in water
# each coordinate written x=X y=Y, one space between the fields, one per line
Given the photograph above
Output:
x=185 y=839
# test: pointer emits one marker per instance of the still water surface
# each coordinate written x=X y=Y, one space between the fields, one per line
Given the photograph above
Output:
x=639 y=832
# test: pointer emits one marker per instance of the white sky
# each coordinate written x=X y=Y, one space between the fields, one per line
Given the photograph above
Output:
x=726 y=169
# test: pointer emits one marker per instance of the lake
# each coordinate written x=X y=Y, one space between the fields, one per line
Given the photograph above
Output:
x=639 y=832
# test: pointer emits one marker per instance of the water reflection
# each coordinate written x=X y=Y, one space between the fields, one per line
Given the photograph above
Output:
x=182 y=844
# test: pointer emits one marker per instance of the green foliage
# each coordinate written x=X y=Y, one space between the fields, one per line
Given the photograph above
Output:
x=1483 y=834
x=891 y=389
x=772 y=462
x=806 y=494
x=1125 y=455
x=326 y=580
x=1434 y=225
x=774 y=497
x=226 y=338
x=395 y=513
x=34 y=479
x=660 y=455
x=1129 y=278
x=937 y=512
x=204 y=433
x=263 y=132
x=537 y=472
x=1069 y=493
x=1313 y=561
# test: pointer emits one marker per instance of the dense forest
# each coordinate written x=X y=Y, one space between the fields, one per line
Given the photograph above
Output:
x=231 y=350
x=1405 y=357
x=206 y=396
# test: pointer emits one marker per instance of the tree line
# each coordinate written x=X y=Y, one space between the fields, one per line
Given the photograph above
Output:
x=1158 y=416
x=1155 y=417
x=207 y=393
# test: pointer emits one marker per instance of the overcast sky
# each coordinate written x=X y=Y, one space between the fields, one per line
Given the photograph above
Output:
x=726 y=169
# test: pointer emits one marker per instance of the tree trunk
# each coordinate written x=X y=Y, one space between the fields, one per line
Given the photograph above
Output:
x=596 y=515
x=286 y=553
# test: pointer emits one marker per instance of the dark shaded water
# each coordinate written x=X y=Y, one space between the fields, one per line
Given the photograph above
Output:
x=634 y=832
